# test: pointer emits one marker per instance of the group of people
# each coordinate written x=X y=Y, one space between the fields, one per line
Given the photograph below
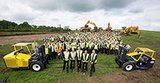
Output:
x=82 y=59
x=103 y=42
x=81 y=47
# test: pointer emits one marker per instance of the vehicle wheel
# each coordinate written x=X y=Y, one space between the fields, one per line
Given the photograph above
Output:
x=119 y=64
x=127 y=66
x=36 y=66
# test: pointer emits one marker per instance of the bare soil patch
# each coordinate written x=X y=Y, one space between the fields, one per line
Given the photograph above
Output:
x=23 y=38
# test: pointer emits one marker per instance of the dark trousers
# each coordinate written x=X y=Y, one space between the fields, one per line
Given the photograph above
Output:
x=79 y=65
x=47 y=58
x=102 y=50
x=107 y=51
x=116 y=52
x=72 y=65
x=54 y=55
x=112 y=51
x=93 y=67
x=96 y=50
x=66 y=65
x=84 y=66
x=51 y=56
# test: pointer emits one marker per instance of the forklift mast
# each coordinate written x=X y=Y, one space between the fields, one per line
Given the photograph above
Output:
x=122 y=53
x=40 y=55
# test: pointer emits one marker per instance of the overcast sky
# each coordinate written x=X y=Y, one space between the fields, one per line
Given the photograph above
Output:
x=75 y=13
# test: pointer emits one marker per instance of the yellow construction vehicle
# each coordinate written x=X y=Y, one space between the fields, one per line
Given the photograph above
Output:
x=135 y=30
x=24 y=56
x=86 y=28
x=125 y=31
x=130 y=30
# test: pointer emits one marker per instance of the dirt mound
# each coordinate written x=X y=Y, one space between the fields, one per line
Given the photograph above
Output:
x=23 y=38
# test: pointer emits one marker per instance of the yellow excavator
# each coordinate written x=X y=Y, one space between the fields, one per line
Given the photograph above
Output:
x=130 y=30
x=86 y=28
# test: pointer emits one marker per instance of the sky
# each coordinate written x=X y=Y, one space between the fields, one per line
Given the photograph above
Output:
x=75 y=13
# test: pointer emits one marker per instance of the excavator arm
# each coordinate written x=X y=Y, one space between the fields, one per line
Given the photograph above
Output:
x=86 y=28
x=90 y=22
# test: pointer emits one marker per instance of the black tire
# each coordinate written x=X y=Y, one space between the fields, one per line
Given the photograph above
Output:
x=118 y=63
x=128 y=66
x=36 y=66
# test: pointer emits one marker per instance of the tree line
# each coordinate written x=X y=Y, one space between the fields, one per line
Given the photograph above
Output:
x=8 y=26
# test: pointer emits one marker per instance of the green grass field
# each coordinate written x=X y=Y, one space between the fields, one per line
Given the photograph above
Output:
x=53 y=73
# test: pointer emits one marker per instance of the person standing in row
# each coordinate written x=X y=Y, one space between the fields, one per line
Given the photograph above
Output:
x=85 y=59
x=51 y=51
x=93 y=60
x=66 y=55
x=79 y=58
x=47 y=51
x=96 y=48
x=72 y=59
x=58 y=49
